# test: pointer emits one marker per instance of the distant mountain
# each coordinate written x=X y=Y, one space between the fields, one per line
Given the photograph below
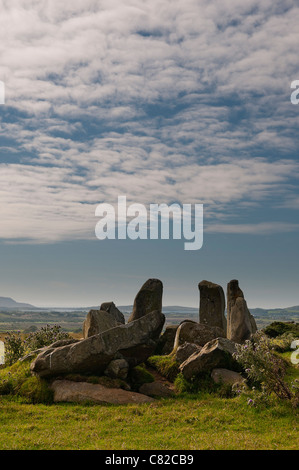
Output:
x=7 y=302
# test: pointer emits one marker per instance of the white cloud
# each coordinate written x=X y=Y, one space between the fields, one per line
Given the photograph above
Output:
x=83 y=80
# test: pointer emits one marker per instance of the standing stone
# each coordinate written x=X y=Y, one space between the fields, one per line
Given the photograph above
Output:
x=148 y=299
x=240 y=323
x=98 y=321
x=111 y=308
x=212 y=305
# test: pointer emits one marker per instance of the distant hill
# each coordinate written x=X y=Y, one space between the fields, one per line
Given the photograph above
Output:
x=8 y=303
x=19 y=315
x=166 y=309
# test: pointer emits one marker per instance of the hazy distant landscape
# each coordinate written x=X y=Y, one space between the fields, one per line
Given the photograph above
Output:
x=21 y=316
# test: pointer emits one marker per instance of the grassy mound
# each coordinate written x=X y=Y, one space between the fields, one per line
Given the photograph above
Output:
x=17 y=380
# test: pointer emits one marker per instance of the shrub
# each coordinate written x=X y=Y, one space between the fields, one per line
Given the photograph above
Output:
x=14 y=347
x=278 y=328
x=202 y=383
x=45 y=336
x=17 y=380
x=265 y=368
x=283 y=342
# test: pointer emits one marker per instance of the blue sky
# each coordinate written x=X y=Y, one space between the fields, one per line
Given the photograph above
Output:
x=163 y=102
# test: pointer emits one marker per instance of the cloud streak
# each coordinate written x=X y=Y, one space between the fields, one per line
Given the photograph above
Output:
x=186 y=102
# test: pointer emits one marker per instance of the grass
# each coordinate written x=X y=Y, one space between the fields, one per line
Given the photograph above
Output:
x=182 y=423
x=165 y=365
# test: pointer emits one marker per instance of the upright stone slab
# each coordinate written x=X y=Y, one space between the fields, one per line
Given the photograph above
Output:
x=240 y=323
x=212 y=305
x=111 y=308
x=149 y=298
x=98 y=321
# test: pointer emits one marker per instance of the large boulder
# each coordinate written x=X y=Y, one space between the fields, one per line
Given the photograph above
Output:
x=240 y=323
x=78 y=392
x=98 y=321
x=148 y=298
x=196 y=333
x=212 y=305
x=134 y=342
x=218 y=353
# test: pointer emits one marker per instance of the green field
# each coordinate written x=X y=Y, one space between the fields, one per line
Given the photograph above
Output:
x=185 y=423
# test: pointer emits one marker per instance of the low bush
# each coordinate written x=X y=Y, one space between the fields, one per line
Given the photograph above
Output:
x=14 y=347
x=265 y=368
x=283 y=342
x=278 y=328
x=17 y=380
x=203 y=383
x=45 y=336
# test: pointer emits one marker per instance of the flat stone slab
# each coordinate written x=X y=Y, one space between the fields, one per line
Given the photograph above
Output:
x=78 y=392
x=134 y=342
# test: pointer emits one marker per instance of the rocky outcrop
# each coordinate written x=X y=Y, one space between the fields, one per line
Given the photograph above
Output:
x=196 y=333
x=212 y=305
x=218 y=353
x=134 y=342
x=240 y=323
x=148 y=298
x=78 y=392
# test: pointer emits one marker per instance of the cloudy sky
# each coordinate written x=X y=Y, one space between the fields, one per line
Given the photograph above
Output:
x=162 y=101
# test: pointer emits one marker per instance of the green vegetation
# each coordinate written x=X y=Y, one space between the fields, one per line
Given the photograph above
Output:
x=279 y=328
x=138 y=376
x=16 y=380
x=194 y=422
x=165 y=365
x=18 y=344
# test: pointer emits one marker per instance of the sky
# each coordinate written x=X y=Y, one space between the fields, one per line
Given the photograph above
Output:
x=163 y=102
